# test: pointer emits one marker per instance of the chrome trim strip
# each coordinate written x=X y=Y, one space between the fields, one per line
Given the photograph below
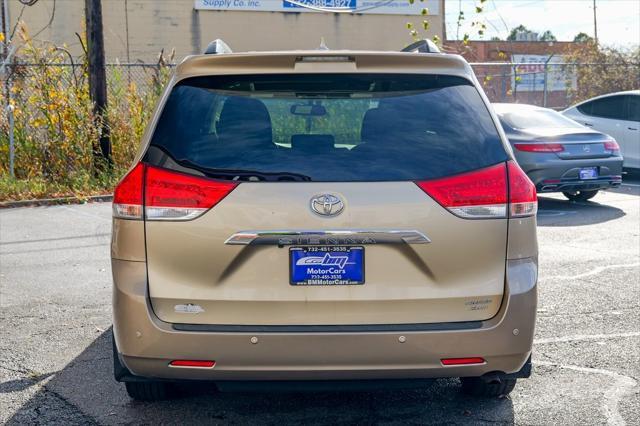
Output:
x=347 y=328
x=328 y=237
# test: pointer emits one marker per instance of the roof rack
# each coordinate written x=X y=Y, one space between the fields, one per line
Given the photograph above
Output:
x=422 y=46
x=217 y=47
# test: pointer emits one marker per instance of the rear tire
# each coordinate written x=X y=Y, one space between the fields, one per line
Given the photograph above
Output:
x=478 y=386
x=148 y=391
x=580 y=195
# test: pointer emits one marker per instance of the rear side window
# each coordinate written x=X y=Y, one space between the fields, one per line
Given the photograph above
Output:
x=609 y=107
x=633 y=107
x=344 y=127
x=532 y=118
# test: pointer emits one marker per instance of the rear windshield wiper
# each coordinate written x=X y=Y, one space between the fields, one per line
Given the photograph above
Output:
x=245 y=175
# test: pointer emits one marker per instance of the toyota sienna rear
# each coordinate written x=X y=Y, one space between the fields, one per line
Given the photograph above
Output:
x=323 y=217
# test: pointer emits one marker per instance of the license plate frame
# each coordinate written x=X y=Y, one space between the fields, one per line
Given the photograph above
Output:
x=335 y=265
x=588 y=173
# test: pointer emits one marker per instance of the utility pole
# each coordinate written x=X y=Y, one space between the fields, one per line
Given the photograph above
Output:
x=595 y=23
x=5 y=73
x=459 y=21
x=97 y=79
x=444 y=25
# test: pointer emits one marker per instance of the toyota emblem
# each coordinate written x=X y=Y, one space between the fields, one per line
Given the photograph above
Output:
x=327 y=205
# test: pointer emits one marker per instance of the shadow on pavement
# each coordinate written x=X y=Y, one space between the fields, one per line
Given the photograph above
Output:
x=19 y=385
x=555 y=212
x=84 y=392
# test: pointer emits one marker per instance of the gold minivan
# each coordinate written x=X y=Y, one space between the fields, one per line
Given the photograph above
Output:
x=323 y=218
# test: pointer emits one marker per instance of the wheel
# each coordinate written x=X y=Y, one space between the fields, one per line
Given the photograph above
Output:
x=148 y=391
x=580 y=195
x=478 y=386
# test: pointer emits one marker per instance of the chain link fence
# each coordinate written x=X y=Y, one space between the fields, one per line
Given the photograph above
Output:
x=145 y=77
x=51 y=110
x=553 y=85
x=47 y=124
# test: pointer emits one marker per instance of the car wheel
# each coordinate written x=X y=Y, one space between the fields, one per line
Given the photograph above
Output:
x=478 y=386
x=580 y=195
x=148 y=391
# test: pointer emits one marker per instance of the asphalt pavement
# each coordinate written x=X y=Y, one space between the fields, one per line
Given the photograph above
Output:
x=55 y=318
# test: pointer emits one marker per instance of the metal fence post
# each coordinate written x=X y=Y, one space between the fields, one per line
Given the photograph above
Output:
x=544 y=93
x=12 y=150
x=546 y=75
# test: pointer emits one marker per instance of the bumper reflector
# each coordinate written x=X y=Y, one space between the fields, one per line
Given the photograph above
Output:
x=192 y=363
x=462 y=361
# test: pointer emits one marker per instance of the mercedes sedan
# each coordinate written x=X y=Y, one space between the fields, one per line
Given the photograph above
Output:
x=559 y=154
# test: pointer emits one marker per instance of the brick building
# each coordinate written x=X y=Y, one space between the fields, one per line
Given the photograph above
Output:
x=523 y=83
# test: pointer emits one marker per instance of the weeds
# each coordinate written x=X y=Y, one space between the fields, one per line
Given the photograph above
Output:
x=54 y=128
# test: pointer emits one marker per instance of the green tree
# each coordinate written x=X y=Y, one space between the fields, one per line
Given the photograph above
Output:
x=548 y=36
x=599 y=70
x=582 y=38
x=514 y=32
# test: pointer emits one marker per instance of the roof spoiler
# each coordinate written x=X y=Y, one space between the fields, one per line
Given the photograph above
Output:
x=217 y=47
x=422 y=46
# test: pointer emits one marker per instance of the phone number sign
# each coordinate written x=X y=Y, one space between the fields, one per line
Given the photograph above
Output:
x=379 y=7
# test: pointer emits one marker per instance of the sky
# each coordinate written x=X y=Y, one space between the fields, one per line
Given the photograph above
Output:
x=618 y=20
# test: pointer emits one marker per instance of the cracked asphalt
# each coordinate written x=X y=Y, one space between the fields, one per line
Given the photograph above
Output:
x=55 y=317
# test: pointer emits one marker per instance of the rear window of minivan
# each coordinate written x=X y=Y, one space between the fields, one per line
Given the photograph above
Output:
x=325 y=127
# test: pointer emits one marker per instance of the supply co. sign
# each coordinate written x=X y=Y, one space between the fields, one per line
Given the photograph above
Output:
x=380 y=7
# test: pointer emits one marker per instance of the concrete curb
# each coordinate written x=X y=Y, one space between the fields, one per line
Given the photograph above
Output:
x=55 y=201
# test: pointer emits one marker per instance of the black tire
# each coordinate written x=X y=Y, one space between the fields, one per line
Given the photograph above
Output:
x=478 y=386
x=580 y=195
x=148 y=391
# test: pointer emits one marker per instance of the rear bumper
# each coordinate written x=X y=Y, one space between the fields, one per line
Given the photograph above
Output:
x=557 y=175
x=146 y=345
x=571 y=185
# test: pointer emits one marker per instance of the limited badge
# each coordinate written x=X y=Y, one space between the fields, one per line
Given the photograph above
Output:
x=189 y=308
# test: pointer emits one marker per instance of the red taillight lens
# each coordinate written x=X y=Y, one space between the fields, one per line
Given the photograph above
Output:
x=523 y=199
x=474 y=195
x=484 y=194
x=176 y=196
x=462 y=361
x=166 y=195
x=539 y=147
x=611 y=146
x=192 y=363
x=127 y=197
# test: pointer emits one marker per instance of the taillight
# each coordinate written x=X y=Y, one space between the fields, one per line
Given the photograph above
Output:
x=475 y=195
x=484 y=194
x=127 y=197
x=539 y=147
x=611 y=145
x=523 y=199
x=160 y=194
x=170 y=195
